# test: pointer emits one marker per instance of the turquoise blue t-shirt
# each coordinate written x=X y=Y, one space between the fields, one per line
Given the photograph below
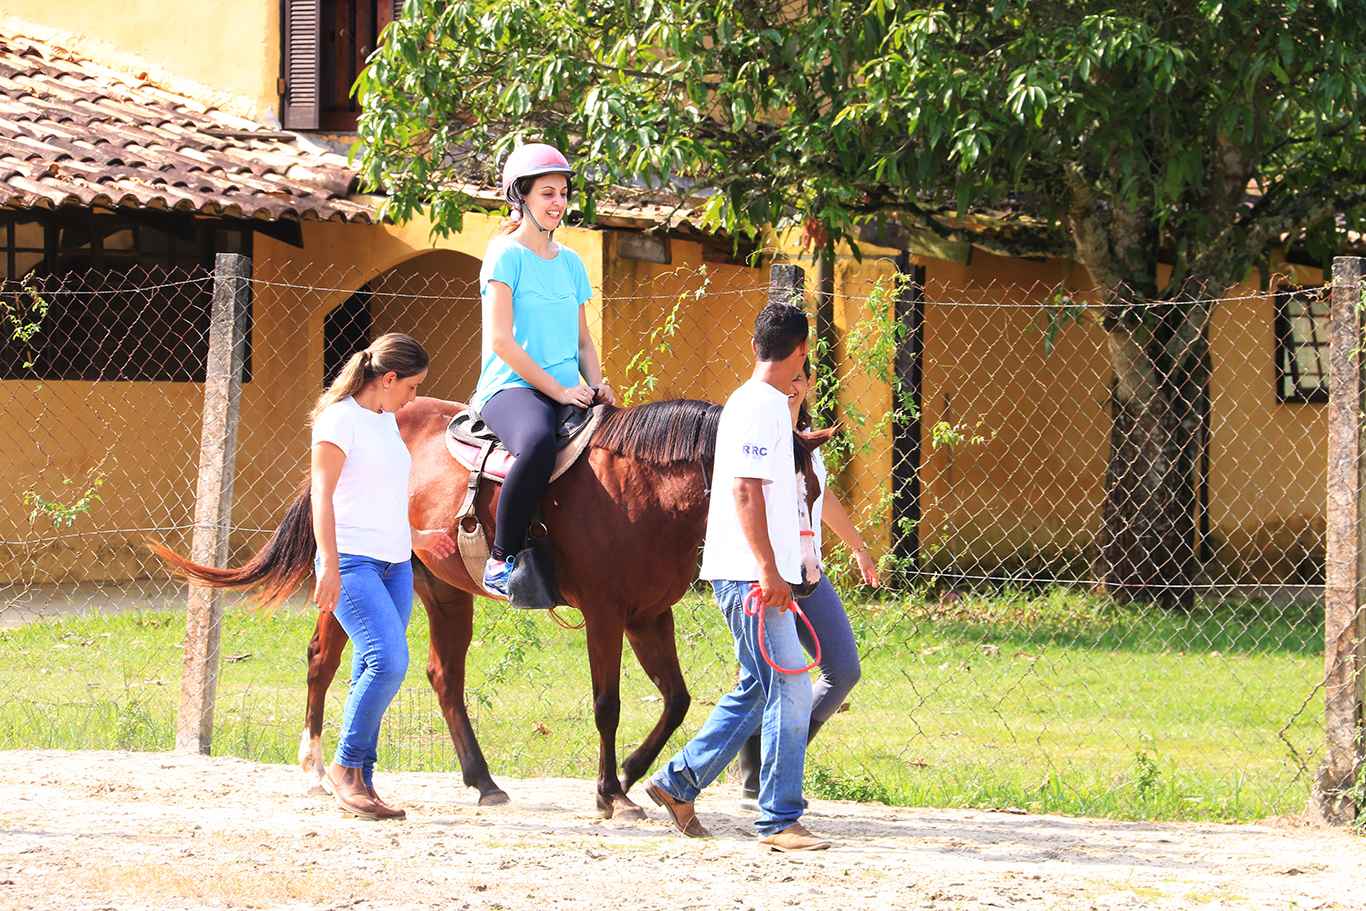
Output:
x=546 y=297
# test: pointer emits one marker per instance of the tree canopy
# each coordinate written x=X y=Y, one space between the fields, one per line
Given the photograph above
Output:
x=1136 y=129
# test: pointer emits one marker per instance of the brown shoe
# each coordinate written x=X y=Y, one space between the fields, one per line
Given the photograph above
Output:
x=794 y=838
x=389 y=811
x=353 y=796
x=685 y=820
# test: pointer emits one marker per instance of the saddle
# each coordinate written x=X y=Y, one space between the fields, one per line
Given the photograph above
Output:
x=477 y=448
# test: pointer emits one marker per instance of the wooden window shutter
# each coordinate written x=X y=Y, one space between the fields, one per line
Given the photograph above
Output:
x=303 y=40
x=387 y=11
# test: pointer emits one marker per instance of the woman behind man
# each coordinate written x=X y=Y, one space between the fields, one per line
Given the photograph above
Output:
x=839 y=668
x=359 y=485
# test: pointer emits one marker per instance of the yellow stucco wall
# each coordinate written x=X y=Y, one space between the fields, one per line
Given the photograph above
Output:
x=1268 y=459
x=865 y=401
x=710 y=349
x=229 y=51
x=1025 y=482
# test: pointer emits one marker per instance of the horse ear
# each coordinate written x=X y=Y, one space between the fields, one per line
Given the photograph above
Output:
x=814 y=439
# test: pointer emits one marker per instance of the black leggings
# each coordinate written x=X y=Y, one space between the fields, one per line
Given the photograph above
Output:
x=524 y=420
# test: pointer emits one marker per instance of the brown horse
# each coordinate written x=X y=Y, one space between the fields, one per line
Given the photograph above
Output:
x=625 y=523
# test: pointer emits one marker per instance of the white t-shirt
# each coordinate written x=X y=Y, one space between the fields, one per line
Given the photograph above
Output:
x=753 y=441
x=822 y=476
x=370 y=504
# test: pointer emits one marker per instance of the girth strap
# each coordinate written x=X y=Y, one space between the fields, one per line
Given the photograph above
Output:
x=469 y=531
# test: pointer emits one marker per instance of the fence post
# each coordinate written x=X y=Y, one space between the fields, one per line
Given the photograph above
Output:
x=1334 y=797
x=823 y=339
x=786 y=284
x=213 y=498
x=906 y=426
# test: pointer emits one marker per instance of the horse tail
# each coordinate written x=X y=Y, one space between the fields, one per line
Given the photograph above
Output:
x=276 y=570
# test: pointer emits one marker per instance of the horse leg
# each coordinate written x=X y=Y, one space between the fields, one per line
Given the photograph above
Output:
x=324 y=656
x=450 y=619
x=653 y=642
x=604 y=663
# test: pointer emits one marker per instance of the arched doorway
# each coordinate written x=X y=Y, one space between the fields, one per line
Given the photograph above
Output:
x=435 y=298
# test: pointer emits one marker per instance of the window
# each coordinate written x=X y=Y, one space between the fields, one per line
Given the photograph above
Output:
x=326 y=43
x=1302 y=345
x=102 y=296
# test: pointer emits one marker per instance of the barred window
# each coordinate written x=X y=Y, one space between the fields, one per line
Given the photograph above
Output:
x=1302 y=345
x=95 y=296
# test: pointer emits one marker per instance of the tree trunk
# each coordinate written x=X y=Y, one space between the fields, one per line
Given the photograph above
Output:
x=1149 y=536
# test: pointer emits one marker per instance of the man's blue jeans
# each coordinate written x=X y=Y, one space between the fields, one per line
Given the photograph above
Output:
x=778 y=705
x=375 y=603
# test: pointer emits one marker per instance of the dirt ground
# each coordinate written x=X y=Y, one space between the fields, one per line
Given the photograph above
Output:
x=164 y=831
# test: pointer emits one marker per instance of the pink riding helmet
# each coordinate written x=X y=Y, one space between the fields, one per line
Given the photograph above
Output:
x=531 y=160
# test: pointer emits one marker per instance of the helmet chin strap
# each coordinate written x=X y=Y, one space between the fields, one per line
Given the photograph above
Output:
x=526 y=210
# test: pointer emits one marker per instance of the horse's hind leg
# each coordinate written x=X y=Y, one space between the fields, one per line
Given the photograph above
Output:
x=450 y=618
x=324 y=655
x=653 y=642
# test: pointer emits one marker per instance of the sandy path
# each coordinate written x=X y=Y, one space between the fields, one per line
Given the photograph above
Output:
x=163 y=831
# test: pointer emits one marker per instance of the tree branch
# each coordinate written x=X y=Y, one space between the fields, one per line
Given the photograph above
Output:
x=1090 y=234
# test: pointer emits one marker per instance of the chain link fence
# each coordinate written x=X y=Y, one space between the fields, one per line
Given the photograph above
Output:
x=984 y=452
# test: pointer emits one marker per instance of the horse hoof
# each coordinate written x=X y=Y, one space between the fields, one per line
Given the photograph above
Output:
x=494 y=799
x=630 y=812
x=621 y=808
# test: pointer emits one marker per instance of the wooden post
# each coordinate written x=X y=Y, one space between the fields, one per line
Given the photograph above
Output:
x=786 y=284
x=213 y=498
x=1335 y=797
x=906 y=429
x=824 y=345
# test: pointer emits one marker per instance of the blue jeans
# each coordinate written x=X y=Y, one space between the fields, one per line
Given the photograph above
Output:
x=374 y=606
x=778 y=705
x=839 y=652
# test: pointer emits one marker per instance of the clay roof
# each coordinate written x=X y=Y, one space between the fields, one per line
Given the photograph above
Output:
x=76 y=133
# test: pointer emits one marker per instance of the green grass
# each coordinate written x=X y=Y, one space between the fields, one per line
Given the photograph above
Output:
x=1049 y=702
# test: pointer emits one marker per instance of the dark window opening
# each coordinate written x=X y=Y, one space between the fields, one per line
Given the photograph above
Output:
x=1302 y=345
x=96 y=296
x=346 y=330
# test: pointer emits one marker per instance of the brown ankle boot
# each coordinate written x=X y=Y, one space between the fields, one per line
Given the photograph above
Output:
x=394 y=812
x=349 y=790
x=794 y=838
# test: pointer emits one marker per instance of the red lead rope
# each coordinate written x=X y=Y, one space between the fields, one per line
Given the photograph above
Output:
x=754 y=606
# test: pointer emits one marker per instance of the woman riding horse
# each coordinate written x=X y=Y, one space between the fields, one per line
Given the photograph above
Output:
x=536 y=343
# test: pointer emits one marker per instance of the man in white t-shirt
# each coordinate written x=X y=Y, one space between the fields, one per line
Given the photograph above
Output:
x=753 y=540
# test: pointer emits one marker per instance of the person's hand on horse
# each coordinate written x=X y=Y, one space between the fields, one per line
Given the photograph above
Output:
x=774 y=588
x=605 y=395
x=433 y=541
x=867 y=568
x=580 y=395
x=327 y=589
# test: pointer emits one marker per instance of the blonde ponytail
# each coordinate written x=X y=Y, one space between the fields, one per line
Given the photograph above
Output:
x=393 y=352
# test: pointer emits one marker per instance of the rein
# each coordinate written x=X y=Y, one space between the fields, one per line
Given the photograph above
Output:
x=565 y=624
x=754 y=607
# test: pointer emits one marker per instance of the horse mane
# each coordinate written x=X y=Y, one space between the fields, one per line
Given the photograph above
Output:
x=664 y=433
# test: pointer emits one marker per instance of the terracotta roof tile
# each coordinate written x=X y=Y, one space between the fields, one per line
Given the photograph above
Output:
x=75 y=133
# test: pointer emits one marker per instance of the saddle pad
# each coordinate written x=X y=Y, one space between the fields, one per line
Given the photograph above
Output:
x=500 y=460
